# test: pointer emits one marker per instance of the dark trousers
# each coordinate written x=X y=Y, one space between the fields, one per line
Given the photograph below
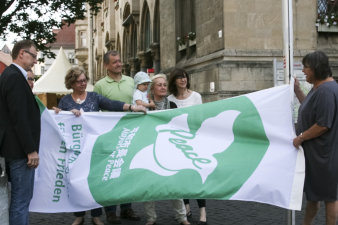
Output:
x=112 y=208
x=98 y=212
x=94 y=213
x=201 y=202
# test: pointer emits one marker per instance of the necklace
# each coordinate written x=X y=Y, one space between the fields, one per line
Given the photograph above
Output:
x=78 y=100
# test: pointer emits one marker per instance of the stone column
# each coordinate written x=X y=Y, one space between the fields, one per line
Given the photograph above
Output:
x=126 y=69
x=134 y=66
x=4 y=203
x=143 y=59
x=155 y=53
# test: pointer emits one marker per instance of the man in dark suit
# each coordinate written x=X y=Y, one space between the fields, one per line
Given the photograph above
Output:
x=19 y=129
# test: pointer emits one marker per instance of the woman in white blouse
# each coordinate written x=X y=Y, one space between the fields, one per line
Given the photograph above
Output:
x=179 y=89
x=182 y=96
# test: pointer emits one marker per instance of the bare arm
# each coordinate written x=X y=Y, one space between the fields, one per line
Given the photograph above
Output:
x=151 y=103
x=312 y=132
x=134 y=108
x=299 y=93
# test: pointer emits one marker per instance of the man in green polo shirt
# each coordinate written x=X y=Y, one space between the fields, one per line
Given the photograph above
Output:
x=116 y=86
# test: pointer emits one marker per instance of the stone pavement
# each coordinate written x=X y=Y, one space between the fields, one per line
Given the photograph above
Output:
x=219 y=213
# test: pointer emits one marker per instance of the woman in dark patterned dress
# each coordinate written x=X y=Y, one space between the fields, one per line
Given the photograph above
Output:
x=317 y=130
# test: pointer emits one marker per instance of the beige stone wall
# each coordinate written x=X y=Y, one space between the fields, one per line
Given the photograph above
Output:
x=236 y=40
x=305 y=33
x=167 y=34
x=209 y=22
x=253 y=24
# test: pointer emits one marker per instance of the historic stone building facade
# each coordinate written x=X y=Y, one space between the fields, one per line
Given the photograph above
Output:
x=227 y=46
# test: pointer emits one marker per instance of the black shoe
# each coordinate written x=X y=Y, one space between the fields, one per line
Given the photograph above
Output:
x=202 y=223
x=112 y=218
x=151 y=223
x=129 y=215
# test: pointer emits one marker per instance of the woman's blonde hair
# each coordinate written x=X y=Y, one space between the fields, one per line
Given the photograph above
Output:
x=160 y=75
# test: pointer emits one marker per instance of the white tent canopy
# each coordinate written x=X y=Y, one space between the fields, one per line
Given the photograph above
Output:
x=53 y=81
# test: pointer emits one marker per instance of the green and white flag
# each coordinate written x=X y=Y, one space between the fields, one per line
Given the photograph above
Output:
x=239 y=149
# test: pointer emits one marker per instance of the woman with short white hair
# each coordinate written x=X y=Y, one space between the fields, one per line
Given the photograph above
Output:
x=159 y=94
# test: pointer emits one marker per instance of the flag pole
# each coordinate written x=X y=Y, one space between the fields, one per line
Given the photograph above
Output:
x=290 y=39
x=288 y=64
x=287 y=39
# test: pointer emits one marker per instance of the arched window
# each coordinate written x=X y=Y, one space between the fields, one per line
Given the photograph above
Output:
x=146 y=28
x=107 y=42
x=118 y=45
x=126 y=52
x=157 y=23
x=134 y=41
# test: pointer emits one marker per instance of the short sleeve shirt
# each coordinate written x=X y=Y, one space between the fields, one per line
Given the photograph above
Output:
x=139 y=95
x=120 y=91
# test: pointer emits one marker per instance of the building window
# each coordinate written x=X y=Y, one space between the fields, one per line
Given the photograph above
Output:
x=157 y=23
x=83 y=39
x=327 y=12
x=185 y=28
x=71 y=58
x=147 y=30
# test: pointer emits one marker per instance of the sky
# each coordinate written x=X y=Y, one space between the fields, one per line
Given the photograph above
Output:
x=12 y=36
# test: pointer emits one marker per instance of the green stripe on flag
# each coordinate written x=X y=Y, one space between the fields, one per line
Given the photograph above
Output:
x=113 y=178
x=42 y=107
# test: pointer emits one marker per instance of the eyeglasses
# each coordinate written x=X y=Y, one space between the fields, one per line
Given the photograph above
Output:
x=30 y=78
x=32 y=54
x=81 y=81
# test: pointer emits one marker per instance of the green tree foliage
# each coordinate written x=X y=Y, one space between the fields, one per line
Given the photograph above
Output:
x=35 y=19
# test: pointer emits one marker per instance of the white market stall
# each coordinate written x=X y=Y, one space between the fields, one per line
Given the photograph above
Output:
x=52 y=83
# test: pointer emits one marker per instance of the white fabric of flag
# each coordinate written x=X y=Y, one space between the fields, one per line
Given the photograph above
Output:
x=234 y=149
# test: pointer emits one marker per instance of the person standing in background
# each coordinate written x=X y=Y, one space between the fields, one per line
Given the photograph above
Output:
x=180 y=93
x=30 y=78
x=118 y=87
x=182 y=96
x=19 y=130
x=115 y=85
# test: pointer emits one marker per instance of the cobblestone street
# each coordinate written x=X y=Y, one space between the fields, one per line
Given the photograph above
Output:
x=219 y=213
